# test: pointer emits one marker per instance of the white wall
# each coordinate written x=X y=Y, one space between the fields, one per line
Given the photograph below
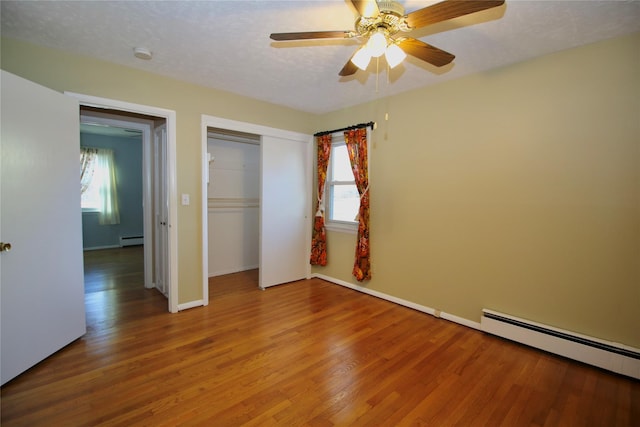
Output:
x=233 y=206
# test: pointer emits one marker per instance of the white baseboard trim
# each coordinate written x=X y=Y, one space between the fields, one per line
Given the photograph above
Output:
x=190 y=304
x=460 y=320
x=432 y=311
x=97 y=248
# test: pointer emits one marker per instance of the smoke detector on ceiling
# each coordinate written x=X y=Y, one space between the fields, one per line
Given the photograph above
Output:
x=142 y=53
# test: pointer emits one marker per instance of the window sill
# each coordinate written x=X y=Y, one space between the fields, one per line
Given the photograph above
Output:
x=342 y=227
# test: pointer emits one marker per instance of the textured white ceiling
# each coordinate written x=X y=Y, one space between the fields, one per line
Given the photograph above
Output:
x=226 y=45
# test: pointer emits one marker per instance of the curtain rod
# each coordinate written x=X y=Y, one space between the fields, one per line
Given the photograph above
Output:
x=358 y=126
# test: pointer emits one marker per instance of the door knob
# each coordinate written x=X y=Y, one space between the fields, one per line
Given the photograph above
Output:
x=5 y=247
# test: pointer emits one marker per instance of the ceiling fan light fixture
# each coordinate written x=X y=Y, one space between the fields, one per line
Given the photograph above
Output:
x=377 y=43
x=361 y=58
x=394 y=55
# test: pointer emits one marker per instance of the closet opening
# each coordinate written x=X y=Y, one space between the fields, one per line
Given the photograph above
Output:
x=255 y=202
x=233 y=202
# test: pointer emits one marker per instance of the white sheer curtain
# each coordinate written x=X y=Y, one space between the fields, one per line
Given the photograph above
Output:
x=98 y=176
x=109 y=212
x=87 y=166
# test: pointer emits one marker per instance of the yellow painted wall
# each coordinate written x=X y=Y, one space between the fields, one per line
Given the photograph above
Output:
x=516 y=190
x=65 y=72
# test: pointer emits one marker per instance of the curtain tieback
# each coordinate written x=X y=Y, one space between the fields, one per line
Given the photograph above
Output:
x=320 y=211
x=357 y=218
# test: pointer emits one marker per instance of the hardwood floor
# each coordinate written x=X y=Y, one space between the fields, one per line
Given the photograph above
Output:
x=308 y=353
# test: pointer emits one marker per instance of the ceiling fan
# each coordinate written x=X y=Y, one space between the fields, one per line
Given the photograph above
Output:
x=381 y=24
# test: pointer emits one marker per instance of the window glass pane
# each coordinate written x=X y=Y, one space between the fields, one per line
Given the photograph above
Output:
x=90 y=199
x=341 y=166
x=346 y=202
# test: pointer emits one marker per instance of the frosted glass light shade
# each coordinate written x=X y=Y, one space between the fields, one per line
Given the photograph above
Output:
x=394 y=55
x=377 y=44
x=361 y=58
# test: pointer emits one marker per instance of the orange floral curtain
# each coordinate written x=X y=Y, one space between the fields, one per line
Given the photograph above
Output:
x=319 y=238
x=356 y=141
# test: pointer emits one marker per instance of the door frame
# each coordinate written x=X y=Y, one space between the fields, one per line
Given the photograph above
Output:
x=170 y=119
x=234 y=125
x=158 y=216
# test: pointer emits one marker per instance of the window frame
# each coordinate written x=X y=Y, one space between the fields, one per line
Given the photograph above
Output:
x=350 y=227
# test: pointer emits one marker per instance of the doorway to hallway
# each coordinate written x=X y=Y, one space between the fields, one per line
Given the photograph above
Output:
x=159 y=238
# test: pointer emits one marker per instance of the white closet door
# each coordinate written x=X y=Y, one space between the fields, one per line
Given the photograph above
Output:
x=284 y=211
x=41 y=277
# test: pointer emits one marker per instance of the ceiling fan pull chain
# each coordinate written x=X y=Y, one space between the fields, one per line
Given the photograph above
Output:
x=377 y=72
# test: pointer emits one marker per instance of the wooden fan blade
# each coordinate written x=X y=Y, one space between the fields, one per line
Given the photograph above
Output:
x=349 y=68
x=366 y=8
x=307 y=35
x=426 y=52
x=448 y=9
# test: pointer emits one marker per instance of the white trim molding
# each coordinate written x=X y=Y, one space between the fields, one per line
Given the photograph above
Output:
x=170 y=117
x=190 y=304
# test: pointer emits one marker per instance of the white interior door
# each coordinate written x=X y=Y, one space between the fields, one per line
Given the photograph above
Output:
x=41 y=277
x=161 y=210
x=284 y=211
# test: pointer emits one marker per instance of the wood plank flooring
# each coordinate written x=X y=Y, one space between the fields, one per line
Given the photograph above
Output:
x=308 y=353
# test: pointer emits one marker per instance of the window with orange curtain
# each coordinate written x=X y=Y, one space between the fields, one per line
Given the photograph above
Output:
x=342 y=198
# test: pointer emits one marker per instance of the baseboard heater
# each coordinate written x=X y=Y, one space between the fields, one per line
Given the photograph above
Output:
x=131 y=240
x=611 y=356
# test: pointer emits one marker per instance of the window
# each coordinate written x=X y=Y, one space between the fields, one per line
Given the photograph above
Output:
x=90 y=199
x=89 y=188
x=342 y=198
x=98 y=184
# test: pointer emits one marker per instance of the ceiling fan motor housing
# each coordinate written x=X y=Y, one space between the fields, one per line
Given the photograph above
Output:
x=392 y=7
x=390 y=18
